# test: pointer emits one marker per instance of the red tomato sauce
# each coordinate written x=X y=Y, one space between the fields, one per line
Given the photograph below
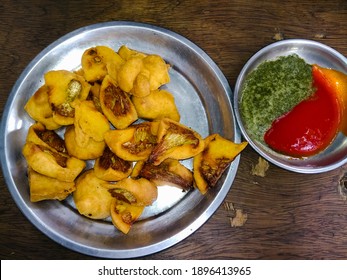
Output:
x=311 y=125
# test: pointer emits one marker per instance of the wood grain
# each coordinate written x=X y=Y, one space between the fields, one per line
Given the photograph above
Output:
x=289 y=216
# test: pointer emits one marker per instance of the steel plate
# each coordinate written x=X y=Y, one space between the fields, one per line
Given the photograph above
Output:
x=202 y=95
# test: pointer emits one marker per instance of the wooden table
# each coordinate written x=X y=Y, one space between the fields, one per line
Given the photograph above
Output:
x=289 y=215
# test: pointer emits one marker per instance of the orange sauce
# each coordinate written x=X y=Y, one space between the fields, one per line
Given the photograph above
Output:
x=337 y=82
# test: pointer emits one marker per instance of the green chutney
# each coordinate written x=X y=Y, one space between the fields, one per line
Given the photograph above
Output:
x=273 y=89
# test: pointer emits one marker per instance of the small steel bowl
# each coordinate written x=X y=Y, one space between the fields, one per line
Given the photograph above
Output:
x=313 y=53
